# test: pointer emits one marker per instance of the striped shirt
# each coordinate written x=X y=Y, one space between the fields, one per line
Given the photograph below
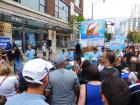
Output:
x=135 y=94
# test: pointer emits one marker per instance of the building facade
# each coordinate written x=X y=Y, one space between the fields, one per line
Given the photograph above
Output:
x=35 y=22
x=134 y=21
x=117 y=26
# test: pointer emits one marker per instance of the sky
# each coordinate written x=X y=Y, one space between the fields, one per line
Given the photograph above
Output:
x=109 y=9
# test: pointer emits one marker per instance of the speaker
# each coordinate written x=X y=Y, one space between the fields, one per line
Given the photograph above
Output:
x=49 y=43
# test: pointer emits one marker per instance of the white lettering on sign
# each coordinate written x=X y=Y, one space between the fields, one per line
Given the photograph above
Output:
x=16 y=19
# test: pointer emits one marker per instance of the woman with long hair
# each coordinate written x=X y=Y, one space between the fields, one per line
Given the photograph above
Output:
x=8 y=81
x=90 y=92
x=18 y=65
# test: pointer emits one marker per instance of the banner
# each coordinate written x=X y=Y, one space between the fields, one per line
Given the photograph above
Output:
x=92 y=42
x=92 y=29
x=92 y=33
x=4 y=43
x=116 y=45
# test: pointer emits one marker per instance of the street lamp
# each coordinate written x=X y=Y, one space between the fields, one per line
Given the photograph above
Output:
x=93 y=3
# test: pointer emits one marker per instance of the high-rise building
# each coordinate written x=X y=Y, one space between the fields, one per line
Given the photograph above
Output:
x=36 y=21
x=134 y=21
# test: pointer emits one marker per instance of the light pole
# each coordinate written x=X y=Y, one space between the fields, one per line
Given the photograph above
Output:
x=93 y=3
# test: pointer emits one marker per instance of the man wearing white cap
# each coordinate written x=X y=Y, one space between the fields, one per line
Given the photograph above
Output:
x=35 y=73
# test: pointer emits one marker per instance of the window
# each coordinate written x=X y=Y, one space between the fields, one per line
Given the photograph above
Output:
x=76 y=13
x=77 y=3
x=17 y=1
x=42 y=6
x=61 y=10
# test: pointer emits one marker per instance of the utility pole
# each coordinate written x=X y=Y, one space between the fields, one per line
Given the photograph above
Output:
x=92 y=11
x=93 y=5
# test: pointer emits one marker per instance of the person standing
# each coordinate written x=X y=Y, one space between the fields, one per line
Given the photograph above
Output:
x=8 y=82
x=108 y=59
x=94 y=56
x=90 y=92
x=78 y=50
x=71 y=54
x=64 y=84
x=135 y=88
x=44 y=50
x=10 y=56
x=35 y=72
x=50 y=53
x=30 y=53
x=18 y=60
x=115 y=91
x=63 y=54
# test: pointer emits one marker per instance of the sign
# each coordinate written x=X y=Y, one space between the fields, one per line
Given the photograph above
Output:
x=92 y=33
x=92 y=42
x=4 y=43
x=116 y=45
x=92 y=29
x=16 y=19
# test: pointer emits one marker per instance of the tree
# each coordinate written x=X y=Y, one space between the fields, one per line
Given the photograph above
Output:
x=137 y=37
x=130 y=36
x=79 y=18
x=133 y=37
x=75 y=19
x=108 y=36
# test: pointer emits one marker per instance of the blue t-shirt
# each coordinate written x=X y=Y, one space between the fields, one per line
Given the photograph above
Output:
x=63 y=55
x=71 y=56
x=30 y=54
x=26 y=99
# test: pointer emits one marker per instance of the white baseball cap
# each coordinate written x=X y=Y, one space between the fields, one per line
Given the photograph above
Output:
x=35 y=70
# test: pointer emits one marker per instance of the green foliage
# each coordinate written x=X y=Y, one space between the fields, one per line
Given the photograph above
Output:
x=79 y=18
x=74 y=19
x=71 y=22
x=130 y=36
x=133 y=37
x=108 y=36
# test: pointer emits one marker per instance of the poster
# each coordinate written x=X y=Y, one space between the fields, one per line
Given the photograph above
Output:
x=116 y=45
x=5 y=43
x=92 y=33
x=92 y=29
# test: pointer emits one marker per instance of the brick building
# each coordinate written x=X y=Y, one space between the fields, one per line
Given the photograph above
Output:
x=36 y=21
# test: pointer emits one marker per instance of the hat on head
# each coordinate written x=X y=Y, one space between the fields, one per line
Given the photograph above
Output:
x=35 y=70
x=59 y=60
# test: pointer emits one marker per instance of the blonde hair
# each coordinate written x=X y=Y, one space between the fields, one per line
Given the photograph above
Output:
x=5 y=69
x=117 y=61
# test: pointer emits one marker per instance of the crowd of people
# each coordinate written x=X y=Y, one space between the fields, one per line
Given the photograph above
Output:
x=97 y=77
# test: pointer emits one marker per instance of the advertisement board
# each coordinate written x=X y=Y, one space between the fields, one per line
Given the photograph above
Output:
x=116 y=45
x=92 y=33
x=4 y=43
x=92 y=29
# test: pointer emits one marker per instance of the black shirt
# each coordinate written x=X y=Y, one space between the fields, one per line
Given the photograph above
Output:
x=106 y=71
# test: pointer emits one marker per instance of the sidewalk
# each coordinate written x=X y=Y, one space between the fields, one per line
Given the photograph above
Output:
x=40 y=55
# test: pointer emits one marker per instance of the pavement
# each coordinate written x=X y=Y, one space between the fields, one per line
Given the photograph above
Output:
x=40 y=55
